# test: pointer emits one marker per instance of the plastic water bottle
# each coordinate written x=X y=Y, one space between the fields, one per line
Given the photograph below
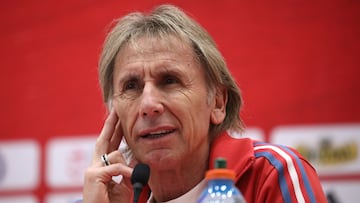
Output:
x=220 y=185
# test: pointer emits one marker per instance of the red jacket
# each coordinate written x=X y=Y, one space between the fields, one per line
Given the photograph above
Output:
x=266 y=173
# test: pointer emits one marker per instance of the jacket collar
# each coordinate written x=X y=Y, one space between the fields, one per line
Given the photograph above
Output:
x=238 y=152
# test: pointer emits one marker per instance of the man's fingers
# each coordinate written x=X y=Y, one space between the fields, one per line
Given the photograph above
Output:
x=116 y=138
x=105 y=174
x=104 y=139
x=119 y=169
x=113 y=158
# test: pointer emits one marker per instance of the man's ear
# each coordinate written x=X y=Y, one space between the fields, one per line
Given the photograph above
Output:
x=218 y=113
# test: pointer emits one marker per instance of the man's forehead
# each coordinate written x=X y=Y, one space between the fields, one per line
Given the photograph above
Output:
x=146 y=43
x=151 y=46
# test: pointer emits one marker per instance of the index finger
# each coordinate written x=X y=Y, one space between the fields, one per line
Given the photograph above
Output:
x=106 y=135
x=116 y=138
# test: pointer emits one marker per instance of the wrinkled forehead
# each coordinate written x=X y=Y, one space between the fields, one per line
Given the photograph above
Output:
x=151 y=47
x=148 y=43
x=154 y=49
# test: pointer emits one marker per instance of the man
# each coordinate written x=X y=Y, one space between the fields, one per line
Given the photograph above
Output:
x=174 y=102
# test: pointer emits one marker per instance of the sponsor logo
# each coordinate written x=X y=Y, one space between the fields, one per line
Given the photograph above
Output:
x=329 y=154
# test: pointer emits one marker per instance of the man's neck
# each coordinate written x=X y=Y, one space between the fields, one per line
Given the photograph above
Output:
x=170 y=184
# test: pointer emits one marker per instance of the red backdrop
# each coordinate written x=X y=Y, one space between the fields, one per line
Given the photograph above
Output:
x=297 y=62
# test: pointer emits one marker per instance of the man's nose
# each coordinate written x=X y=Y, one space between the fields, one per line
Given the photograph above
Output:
x=150 y=104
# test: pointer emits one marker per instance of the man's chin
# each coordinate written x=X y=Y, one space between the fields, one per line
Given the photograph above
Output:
x=160 y=160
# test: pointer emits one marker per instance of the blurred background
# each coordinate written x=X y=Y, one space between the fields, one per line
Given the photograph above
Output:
x=297 y=63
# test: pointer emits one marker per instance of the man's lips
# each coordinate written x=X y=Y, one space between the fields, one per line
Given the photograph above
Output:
x=157 y=134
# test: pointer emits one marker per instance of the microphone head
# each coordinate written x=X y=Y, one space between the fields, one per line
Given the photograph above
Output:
x=140 y=174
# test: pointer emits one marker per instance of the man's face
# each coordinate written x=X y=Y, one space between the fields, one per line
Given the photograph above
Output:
x=162 y=100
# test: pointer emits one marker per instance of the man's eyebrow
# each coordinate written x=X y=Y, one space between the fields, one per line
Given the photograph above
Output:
x=171 y=71
x=128 y=76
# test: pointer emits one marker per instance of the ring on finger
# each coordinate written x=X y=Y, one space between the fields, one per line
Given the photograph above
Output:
x=105 y=160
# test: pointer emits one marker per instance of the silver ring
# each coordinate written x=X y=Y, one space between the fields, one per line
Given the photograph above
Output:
x=105 y=160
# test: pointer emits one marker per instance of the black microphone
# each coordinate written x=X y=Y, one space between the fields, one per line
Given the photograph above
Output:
x=139 y=179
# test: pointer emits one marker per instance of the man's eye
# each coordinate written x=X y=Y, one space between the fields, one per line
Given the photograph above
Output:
x=170 y=80
x=130 y=85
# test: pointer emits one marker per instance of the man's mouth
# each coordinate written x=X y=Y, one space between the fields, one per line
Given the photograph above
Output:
x=158 y=134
